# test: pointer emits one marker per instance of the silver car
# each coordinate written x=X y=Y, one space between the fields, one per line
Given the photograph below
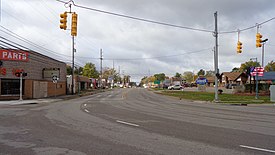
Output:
x=175 y=87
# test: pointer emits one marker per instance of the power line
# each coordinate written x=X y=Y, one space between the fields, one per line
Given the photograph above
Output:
x=137 y=18
x=161 y=23
x=175 y=55
x=248 y=28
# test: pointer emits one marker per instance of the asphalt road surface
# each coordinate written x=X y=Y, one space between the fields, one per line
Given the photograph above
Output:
x=135 y=121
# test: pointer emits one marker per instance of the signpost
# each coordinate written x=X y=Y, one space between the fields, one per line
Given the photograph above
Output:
x=201 y=81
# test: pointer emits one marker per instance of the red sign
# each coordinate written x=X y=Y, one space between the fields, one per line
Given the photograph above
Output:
x=259 y=71
x=15 y=55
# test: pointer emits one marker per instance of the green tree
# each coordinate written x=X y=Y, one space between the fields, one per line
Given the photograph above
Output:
x=210 y=73
x=160 y=77
x=143 y=80
x=69 y=69
x=247 y=64
x=188 y=76
x=270 y=66
x=235 y=69
x=178 y=75
x=89 y=70
x=201 y=72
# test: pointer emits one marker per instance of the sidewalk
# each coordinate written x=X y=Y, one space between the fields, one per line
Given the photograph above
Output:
x=47 y=100
x=38 y=101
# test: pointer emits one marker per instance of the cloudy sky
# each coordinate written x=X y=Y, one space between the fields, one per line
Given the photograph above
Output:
x=140 y=48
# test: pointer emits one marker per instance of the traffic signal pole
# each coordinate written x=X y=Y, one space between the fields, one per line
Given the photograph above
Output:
x=73 y=50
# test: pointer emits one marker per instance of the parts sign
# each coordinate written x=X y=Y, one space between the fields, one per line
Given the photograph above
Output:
x=14 y=55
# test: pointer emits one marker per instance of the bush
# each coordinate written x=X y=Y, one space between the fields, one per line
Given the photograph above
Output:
x=261 y=87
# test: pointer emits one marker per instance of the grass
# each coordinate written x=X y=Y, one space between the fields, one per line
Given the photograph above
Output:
x=207 y=96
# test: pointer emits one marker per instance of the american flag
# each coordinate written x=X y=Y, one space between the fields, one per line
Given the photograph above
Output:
x=259 y=70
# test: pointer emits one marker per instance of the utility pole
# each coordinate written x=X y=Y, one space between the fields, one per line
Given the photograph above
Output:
x=101 y=76
x=113 y=74
x=73 y=65
x=216 y=56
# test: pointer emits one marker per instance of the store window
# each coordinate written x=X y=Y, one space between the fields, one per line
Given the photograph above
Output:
x=11 y=87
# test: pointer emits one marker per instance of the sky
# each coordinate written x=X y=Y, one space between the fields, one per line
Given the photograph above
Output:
x=139 y=48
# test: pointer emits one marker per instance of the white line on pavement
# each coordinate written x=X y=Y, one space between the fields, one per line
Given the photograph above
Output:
x=127 y=123
x=85 y=105
x=86 y=110
x=259 y=149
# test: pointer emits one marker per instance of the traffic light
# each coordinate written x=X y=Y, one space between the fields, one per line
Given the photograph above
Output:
x=258 y=40
x=239 y=47
x=74 y=24
x=63 y=20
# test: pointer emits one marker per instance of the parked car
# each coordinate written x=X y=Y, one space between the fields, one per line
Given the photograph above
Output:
x=175 y=87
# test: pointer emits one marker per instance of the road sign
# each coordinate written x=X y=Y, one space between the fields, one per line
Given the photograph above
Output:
x=55 y=79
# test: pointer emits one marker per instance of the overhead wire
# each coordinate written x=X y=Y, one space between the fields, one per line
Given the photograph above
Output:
x=248 y=28
x=158 y=22
x=137 y=18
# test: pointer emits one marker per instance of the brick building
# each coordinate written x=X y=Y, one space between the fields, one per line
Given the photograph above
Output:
x=40 y=70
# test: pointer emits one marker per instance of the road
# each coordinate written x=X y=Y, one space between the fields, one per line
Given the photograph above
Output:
x=135 y=121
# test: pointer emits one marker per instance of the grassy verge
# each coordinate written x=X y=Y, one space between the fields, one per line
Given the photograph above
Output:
x=207 y=96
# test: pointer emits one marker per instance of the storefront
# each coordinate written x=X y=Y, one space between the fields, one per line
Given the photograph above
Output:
x=37 y=72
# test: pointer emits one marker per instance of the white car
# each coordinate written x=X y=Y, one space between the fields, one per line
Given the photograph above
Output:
x=175 y=87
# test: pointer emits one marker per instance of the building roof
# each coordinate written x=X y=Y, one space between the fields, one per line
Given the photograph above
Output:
x=267 y=76
x=211 y=79
x=232 y=76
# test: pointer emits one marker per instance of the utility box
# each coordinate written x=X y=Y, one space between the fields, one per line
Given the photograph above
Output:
x=272 y=93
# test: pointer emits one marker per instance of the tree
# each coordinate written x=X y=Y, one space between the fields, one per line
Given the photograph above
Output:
x=188 y=76
x=235 y=69
x=270 y=66
x=151 y=79
x=210 y=73
x=178 y=75
x=247 y=64
x=143 y=80
x=201 y=72
x=78 y=71
x=90 y=71
x=69 y=69
x=160 y=77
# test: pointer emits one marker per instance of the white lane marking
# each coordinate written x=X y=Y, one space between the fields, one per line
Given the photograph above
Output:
x=127 y=123
x=256 y=148
x=86 y=110
x=85 y=105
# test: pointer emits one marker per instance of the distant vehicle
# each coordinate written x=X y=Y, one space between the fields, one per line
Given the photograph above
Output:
x=193 y=85
x=175 y=87
x=165 y=86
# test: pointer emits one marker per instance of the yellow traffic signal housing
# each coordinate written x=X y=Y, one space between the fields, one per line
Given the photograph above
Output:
x=239 y=47
x=258 y=40
x=74 y=24
x=63 y=21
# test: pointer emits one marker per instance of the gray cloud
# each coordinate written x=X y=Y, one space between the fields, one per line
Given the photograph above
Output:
x=122 y=38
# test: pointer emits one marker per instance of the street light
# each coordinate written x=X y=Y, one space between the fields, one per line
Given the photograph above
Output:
x=263 y=51
x=257 y=88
